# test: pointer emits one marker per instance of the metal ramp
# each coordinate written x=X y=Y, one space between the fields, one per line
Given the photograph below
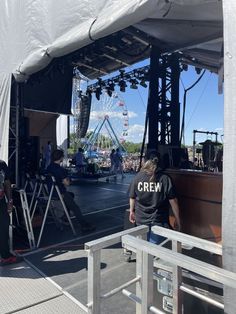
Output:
x=23 y=290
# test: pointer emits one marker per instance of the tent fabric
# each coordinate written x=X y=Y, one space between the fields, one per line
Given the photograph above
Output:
x=5 y=92
x=34 y=32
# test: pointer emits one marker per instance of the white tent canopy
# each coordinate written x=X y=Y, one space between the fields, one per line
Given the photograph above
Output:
x=33 y=32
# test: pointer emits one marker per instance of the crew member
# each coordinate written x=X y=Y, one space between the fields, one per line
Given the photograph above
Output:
x=151 y=192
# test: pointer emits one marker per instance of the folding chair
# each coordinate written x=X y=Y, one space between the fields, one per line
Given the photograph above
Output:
x=27 y=220
x=33 y=185
x=41 y=198
x=28 y=182
x=54 y=188
x=42 y=193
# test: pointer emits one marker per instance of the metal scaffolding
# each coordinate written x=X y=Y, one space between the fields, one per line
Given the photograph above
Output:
x=163 y=102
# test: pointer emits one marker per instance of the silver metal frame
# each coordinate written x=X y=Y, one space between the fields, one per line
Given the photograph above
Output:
x=94 y=261
x=28 y=224
x=54 y=188
x=145 y=252
x=180 y=261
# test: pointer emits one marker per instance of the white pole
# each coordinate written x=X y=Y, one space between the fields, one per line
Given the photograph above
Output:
x=229 y=173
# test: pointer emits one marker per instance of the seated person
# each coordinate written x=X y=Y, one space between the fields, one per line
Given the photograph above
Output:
x=62 y=182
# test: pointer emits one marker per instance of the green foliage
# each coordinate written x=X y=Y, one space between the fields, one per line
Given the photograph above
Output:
x=75 y=143
x=132 y=147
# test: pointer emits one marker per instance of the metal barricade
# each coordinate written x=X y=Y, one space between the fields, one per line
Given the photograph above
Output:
x=94 y=261
x=145 y=253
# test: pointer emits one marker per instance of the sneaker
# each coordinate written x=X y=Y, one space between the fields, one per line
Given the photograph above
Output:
x=127 y=255
x=11 y=260
x=88 y=227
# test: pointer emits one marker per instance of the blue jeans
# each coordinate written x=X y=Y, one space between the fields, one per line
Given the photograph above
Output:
x=155 y=238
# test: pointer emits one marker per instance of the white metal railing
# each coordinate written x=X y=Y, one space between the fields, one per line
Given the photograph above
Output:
x=133 y=239
x=146 y=251
x=94 y=266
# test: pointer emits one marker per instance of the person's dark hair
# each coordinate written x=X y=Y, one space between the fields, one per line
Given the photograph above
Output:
x=151 y=167
x=57 y=155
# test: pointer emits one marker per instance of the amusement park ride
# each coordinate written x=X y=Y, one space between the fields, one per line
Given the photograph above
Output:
x=109 y=122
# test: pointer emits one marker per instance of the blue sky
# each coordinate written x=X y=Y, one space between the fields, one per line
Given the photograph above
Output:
x=204 y=109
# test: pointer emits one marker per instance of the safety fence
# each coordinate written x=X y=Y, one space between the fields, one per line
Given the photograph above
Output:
x=146 y=255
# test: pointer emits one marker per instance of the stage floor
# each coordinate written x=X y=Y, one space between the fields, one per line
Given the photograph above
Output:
x=53 y=278
x=61 y=256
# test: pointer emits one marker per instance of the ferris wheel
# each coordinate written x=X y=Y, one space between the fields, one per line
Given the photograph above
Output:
x=109 y=122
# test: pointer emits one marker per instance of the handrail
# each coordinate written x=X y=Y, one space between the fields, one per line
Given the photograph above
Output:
x=114 y=238
x=94 y=262
x=215 y=273
x=188 y=239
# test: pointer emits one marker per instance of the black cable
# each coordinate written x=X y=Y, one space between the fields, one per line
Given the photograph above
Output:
x=184 y=103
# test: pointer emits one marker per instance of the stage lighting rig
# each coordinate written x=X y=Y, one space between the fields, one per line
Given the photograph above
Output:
x=111 y=85
x=122 y=85
x=143 y=83
x=134 y=84
x=98 y=92
x=198 y=70
x=134 y=77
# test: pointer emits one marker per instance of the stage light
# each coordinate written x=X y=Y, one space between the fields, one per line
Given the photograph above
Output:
x=88 y=92
x=143 y=83
x=134 y=84
x=198 y=70
x=122 y=85
x=109 y=92
x=122 y=72
x=111 y=85
x=98 y=92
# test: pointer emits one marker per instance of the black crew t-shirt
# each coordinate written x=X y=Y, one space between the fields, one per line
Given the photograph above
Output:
x=59 y=173
x=151 y=197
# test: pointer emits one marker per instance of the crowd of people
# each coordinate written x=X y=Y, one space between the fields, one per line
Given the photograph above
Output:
x=115 y=161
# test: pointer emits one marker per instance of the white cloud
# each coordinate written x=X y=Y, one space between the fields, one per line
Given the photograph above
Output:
x=135 y=133
x=132 y=114
x=219 y=130
x=202 y=129
x=99 y=115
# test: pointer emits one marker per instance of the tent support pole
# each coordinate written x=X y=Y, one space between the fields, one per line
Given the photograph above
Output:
x=18 y=103
x=229 y=169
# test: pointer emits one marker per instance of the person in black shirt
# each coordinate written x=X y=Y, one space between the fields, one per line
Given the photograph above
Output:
x=6 y=205
x=62 y=181
x=150 y=194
